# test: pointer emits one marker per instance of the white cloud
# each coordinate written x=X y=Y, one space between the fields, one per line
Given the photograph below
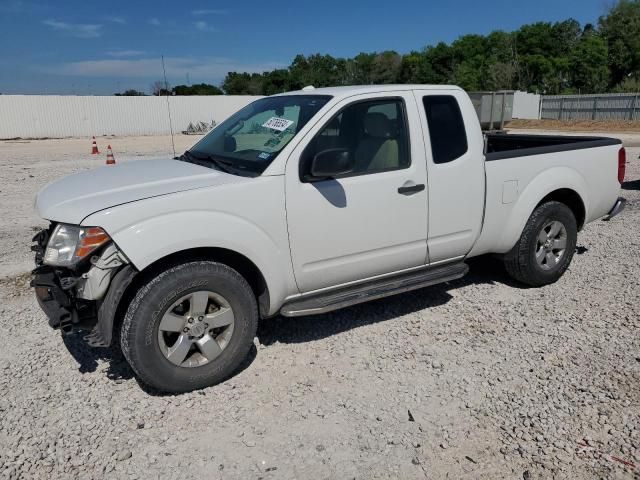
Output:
x=126 y=53
x=207 y=11
x=79 y=30
x=204 y=27
x=201 y=68
x=21 y=6
x=116 y=19
x=155 y=22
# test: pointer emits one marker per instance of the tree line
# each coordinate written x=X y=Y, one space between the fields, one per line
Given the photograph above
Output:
x=163 y=88
x=544 y=57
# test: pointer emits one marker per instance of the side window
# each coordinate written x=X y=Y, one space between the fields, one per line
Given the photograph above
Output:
x=446 y=128
x=374 y=132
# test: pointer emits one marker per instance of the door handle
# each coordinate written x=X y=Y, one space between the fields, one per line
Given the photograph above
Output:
x=411 y=189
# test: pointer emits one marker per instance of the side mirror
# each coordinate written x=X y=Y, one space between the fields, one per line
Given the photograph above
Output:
x=331 y=163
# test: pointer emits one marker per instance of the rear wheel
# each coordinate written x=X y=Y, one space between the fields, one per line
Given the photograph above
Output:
x=190 y=327
x=545 y=248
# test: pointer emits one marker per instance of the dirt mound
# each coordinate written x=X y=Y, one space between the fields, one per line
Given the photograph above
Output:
x=578 y=125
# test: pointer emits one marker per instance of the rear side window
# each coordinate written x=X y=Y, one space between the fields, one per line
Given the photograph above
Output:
x=446 y=128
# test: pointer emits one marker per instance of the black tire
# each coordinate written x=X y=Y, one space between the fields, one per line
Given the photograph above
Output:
x=139 y=333
x=521 y=262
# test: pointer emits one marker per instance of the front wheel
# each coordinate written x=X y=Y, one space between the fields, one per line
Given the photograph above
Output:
x=190 y=327
x=545 y=248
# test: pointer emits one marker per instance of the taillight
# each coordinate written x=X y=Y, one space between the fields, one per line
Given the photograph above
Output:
x=622 y=164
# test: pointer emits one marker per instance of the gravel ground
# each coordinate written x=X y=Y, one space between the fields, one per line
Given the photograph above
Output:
x=478 y=378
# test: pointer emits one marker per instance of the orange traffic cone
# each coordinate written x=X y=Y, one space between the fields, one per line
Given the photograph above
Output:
x=94 y=147
x=110 y=159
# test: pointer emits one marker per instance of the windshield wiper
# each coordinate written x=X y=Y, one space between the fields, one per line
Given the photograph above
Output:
x=204 y=161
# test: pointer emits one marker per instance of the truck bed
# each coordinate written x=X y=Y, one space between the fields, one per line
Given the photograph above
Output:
x=501 y=146
x=521 y=170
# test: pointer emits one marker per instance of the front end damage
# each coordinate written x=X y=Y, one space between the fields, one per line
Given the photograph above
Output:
x=84 y=296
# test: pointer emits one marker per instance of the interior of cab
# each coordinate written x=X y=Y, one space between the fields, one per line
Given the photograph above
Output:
x=373 y=132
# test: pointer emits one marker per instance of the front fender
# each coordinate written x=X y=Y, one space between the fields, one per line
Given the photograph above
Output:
x=546 y=182
x=146 y=241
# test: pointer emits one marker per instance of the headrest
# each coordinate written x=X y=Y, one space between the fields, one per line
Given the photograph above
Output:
x=376 y=124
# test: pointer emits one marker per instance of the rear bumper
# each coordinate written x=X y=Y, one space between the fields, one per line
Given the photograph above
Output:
x=617 y=208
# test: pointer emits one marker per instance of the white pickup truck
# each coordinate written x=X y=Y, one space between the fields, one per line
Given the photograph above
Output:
x=304 y=203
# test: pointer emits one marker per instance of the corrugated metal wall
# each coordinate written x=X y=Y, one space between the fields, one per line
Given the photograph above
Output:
x=37 y=116
x=613 y=106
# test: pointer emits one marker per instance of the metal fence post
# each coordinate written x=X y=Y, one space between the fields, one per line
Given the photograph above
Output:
x=561 y=108
x=541 y=108
x=595 y=108
x=633 y=107
x=504 y=106
x=493 y=100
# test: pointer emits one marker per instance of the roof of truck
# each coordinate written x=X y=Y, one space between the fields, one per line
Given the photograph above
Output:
x=359 y=89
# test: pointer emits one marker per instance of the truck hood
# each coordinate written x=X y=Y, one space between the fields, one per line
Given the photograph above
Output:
x=73 y=198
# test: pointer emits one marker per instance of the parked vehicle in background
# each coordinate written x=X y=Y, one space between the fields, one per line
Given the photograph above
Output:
x=304 y=203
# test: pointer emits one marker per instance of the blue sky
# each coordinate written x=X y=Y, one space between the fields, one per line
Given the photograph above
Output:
x=100 y=47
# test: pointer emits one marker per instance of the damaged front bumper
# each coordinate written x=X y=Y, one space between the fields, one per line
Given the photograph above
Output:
x=86 y=298
x=56 y=303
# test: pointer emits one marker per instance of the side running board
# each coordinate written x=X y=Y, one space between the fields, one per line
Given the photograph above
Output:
x=363 y=292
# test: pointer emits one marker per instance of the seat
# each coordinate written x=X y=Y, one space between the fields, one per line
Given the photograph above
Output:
x=378 y=150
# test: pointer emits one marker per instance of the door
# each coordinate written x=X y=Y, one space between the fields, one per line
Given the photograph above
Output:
x=373 y=220
x=455 y=163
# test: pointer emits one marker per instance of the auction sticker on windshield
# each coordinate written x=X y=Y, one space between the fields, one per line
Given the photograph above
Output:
x=279 y=124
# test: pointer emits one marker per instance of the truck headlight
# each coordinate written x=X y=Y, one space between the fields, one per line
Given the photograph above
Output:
x=69 y=244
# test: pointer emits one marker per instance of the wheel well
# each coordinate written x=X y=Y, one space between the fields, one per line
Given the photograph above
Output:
x=572 y=200
x=235 y=260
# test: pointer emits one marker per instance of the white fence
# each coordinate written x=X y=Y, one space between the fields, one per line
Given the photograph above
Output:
x=57 y=116
x=611 y=106
x=526 y=106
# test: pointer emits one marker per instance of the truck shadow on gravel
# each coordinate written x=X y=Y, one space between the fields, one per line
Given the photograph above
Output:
x=118 y=369
x=487 y=270
x=631 y=185
x=89 y=358
x=483 y=270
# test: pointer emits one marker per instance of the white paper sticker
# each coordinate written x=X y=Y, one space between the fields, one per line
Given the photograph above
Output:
x=275 y=123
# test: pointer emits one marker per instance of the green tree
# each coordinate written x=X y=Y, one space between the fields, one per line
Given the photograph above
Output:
x=470 y=61
x=359 y=69
x=500 y=76
x=630 y=84
x=566 y=36
x=276 y=81
x=415 y=68
x=160 y=87
x=500 y=46
x=541 y=57
x=197 y=89
x=385 y=67
x=130 y=93
x=242 y=84
x=441 y=59
x=621 y=30
x=588 y=65
x=317 y=70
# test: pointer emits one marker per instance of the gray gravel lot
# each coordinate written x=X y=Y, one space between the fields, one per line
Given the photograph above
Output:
x=478 y=378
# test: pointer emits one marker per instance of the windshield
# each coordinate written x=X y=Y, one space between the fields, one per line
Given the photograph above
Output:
x=248 y=141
